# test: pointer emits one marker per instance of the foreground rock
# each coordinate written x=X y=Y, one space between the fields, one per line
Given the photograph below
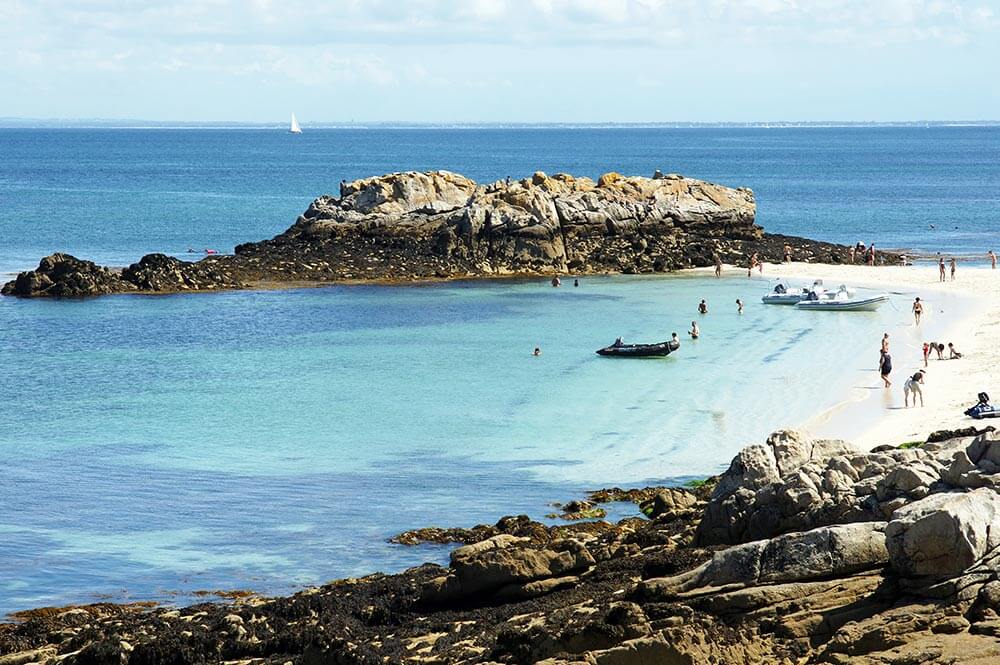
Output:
x=407 y=226
x=892 y=557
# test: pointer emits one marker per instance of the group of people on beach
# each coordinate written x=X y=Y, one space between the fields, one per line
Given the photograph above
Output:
x=754 y=261
x=912 y=385
x=860 y=252
x=952 y=265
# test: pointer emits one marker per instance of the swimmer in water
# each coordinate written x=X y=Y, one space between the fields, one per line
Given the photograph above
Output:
x=694 y=332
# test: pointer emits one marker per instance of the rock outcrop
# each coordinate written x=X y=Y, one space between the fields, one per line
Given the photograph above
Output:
x=895 y=563
x=409 y=226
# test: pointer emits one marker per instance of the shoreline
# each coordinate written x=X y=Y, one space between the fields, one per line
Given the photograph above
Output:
x=872 y=415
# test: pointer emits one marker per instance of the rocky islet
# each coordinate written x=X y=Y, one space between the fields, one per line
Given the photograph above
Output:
x=413 y=226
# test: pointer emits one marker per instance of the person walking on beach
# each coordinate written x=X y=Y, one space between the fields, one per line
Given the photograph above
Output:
x=993 y=259
x=718 y=266
x=694 y=332
x=739 y=306
x=941 y=269
x=918 y=310
x=885 y=368
x=953 y=268
x=703 y=307
x=885 y=343
x=912 y=387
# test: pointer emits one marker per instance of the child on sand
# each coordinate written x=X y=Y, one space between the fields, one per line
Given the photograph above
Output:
x=953 y=352
x=927 y=352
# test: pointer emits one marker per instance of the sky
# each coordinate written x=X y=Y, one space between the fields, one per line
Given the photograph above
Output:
x=501 y=60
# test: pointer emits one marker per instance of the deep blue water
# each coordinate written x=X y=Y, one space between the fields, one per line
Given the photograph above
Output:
x=154 y=446
x=113 y=195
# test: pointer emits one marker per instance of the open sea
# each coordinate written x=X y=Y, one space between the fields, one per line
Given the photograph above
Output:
x=157 y=446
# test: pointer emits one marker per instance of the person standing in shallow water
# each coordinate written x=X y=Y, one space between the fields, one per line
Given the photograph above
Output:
x=993 y=259
x=885 y=347
x=885 y=368
x=739 y=306
x=694 y=332
x=703 y=307
x=918 y=310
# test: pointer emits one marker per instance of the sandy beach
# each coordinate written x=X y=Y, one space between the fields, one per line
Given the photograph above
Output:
x=963 y=312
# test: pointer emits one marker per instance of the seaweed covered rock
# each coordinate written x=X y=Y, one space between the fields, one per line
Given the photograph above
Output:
x=65 y=276
x=158 y=272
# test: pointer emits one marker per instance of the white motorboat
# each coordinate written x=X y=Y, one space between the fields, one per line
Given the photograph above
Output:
x=842 y=300
x=782 y=295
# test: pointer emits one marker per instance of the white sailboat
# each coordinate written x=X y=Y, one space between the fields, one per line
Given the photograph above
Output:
x=295 y=129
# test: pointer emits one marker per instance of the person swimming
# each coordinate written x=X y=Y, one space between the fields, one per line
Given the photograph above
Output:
x=537 y=352
x=556 y=281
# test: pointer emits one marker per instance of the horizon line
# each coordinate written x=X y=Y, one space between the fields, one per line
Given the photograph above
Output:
x=13 y=122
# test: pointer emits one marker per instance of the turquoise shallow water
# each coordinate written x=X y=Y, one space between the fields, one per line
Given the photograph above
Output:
x=158 y=445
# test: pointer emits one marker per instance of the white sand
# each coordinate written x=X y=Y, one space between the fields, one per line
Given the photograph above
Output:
x=875 y=415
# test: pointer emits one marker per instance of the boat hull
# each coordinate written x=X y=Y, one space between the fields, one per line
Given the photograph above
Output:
x=864 y=305
x=640 y=350
x=782 y=299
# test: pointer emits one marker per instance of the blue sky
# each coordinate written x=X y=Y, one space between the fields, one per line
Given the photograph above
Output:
x=501 y=60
